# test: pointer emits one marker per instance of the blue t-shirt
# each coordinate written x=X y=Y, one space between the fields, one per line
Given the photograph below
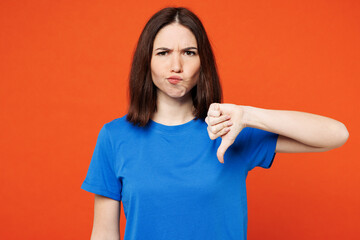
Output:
x=170 y=181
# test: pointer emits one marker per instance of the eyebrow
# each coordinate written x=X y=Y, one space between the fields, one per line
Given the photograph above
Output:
x=164 y=48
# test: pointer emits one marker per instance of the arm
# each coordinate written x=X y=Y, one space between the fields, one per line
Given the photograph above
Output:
x=298 y=131
x=106 y=219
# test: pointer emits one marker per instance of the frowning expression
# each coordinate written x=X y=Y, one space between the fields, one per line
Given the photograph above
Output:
x=175 y=62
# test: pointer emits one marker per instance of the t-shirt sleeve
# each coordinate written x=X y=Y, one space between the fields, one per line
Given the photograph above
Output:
x=261 y=147
x=101 y=178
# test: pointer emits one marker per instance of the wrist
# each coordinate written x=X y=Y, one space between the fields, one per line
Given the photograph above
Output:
x=251 y=116
x=245 y=115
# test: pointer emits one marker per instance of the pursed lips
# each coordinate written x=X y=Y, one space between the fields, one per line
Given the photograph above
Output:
x=174 y=79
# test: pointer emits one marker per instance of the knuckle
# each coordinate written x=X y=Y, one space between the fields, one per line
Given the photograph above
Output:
x=213 y=129
x=211 y=135
x=211 y=121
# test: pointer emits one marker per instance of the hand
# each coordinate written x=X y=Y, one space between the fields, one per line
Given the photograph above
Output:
x=225 y=121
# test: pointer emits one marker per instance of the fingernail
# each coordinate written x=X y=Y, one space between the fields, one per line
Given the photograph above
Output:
x=229 y=123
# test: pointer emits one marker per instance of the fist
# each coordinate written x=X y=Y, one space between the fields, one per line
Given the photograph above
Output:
x=225 y=121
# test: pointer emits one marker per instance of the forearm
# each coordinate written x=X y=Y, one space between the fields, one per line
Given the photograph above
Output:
x=105 y=236
x=310 y=129
x=104 y=232
x=106 y=219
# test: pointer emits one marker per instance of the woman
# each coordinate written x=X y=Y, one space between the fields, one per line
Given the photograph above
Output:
x=162 y=159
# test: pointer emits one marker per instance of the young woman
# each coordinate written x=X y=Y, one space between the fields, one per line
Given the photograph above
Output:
x=162 y=158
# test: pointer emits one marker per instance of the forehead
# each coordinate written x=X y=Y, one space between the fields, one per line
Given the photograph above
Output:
x=175 y=35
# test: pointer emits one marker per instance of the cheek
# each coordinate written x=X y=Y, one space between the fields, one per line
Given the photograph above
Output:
x=156 y=74
x=195 y=67
x=195 y=71
x=157 y=69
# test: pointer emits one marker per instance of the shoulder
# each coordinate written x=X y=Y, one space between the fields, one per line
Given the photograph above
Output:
x=120 y=128
x=117 y=123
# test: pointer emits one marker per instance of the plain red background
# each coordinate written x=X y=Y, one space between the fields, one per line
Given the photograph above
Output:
x=64 y=67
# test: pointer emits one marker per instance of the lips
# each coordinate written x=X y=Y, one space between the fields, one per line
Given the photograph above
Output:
x=173 y=81
x=175 y=78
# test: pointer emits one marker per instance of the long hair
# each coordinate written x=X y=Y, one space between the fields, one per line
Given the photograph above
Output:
x=143 y=92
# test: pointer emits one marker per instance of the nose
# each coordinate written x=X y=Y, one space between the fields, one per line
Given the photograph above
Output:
x=176 y=64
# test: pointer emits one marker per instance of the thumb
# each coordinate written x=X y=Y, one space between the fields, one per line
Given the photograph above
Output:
x=215 y=106
x=222 y=149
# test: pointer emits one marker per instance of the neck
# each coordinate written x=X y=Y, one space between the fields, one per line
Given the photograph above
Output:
x=171 y=111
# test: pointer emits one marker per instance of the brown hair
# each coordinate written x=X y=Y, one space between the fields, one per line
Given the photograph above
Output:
x=142 y=91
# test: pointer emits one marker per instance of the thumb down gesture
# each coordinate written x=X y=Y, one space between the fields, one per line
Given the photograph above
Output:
x=225 y=121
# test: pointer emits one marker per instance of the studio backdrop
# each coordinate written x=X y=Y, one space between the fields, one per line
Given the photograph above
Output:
x=64 y=71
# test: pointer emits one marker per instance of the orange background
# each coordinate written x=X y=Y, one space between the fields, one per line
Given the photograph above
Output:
x=64 y=67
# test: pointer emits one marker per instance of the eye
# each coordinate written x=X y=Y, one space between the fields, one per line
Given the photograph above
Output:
x=190 y=53
x=161 y=53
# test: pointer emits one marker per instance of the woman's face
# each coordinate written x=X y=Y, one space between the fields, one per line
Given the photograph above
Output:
x=175 y=53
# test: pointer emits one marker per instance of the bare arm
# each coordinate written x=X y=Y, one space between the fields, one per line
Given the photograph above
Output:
x=298 y=131
x=106 y=219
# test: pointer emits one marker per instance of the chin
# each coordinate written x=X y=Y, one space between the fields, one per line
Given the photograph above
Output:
x=180 y=96
x=175 y=94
